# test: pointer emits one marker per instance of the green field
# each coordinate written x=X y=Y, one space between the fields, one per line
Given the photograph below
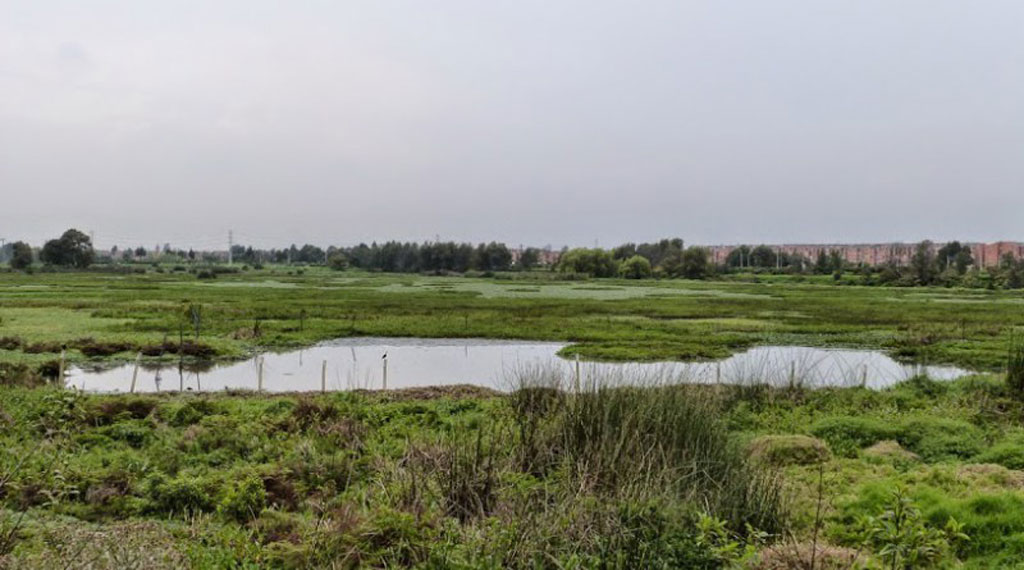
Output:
x=606 y=319
x=691 y=477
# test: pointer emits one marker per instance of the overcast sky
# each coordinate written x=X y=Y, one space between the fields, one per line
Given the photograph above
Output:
x=527 y=121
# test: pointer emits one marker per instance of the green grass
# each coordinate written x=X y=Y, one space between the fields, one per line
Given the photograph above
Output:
x=605 y=319
x=619 y=478
x=538 y=478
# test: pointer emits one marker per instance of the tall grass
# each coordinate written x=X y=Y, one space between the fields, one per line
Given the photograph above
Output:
x=640 y=440
x=1015 y=366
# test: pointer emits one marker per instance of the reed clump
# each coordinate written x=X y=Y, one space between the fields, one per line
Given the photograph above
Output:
x=638 y=440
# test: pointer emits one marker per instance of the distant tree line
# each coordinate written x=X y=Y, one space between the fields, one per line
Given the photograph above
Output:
x=398 y=257
x=951 y=265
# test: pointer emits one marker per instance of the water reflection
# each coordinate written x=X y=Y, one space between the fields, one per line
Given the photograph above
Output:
x=363 y=362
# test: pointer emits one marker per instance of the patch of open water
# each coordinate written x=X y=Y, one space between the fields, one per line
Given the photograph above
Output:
x=354 y=363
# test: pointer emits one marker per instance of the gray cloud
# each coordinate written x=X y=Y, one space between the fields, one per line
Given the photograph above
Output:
x=531 y=122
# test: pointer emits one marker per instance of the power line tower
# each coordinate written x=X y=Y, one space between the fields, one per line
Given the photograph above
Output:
x=231 y=245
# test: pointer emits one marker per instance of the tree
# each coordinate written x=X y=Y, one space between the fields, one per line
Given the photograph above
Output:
x=922 y=263
x=956 y=255
x=822 y=265
x=596 y=262
x=762 y=256
x=21 y=255
x=337 y=261
x=528 y=258
x=624 y=251
x=636 y=267
x=72 y=249
x=695 y=263
x=738 y=257
x=492 y=257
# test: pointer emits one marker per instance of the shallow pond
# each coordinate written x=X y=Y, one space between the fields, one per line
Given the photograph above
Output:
x=412 y=362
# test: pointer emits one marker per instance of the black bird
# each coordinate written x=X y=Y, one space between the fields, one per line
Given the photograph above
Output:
x=385 y=357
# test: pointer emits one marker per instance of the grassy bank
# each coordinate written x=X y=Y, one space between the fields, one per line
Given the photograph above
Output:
x=701 y=477
x=110 y=317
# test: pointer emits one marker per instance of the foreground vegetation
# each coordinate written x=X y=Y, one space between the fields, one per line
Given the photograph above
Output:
x=925 y=474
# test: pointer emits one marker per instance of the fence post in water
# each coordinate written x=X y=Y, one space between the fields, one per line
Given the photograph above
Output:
x=792 y=374
x=718 y=372
x=60 y=369
x=135 y=373
x=260 y=380
x=323 y=378
x=864 y=377
x=385 y=383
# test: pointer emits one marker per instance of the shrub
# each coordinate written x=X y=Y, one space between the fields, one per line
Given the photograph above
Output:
x=182 y=495
x=904 y=539
x=1008 y=453
x=937 y=438
x=135 y=433
x=782 y=450
x=244 y=500
x=848 y=434
x=110 y=410
x=932 y=438
x=193 y=412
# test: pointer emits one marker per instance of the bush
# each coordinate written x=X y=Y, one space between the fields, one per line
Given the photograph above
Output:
x=932 y=438
x=936 y=438
x=193 y=412
x=180 y=496
x=1008 y=453
x=245 y=499
x=782 y=450
x=847 y=434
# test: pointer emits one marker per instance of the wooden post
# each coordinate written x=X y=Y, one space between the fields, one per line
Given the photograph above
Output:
x=792 y=374
x=577 y=373
x=323 y=378
x=259 y=386
x=135 y=373
x=864 y=377
x=718 y=372
x=60 y=369
x=385 y=383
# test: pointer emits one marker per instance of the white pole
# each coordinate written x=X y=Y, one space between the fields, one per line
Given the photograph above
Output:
x=135 y=373
x=323 y=377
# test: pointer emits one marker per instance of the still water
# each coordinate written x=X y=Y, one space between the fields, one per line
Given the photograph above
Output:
x=411 y=362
